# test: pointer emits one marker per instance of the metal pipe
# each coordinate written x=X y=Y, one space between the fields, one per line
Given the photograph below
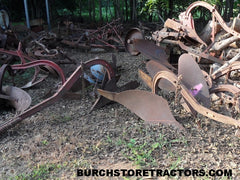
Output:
x=48 y=17
x=26 y=13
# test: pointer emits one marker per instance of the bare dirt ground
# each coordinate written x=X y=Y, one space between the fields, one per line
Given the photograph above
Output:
x=64 y=137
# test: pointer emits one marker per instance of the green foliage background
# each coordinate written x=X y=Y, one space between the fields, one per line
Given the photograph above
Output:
x=106 y=10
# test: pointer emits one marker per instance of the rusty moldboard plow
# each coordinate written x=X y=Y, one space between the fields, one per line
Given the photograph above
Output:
x=155 y=110
x=217 y=45
x=210 y=67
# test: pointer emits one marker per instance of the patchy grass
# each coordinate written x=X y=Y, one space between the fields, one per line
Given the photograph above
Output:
x=45 y=142
x=39 y=172
x=145 y=151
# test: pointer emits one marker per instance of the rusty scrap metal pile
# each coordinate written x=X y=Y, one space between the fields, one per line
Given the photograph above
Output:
x=205 y=76
x=106 y=37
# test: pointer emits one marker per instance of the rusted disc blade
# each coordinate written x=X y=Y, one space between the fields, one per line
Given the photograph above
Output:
x=21 y=101
x=193 y=79
x=132 y=34
x=148 y=106
x=153 y=67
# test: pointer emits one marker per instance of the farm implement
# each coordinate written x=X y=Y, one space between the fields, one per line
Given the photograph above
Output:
x=207 y=73
x=200 y=67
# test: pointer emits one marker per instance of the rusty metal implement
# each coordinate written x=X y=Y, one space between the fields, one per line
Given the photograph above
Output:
x=13 y=96
x=112 y=86
x=19 y=99
x=191 y=100
x=60 y=93
x=153 y=67
x=148 y=106
x=193 y=79
x=132 y=34
x=152 y=51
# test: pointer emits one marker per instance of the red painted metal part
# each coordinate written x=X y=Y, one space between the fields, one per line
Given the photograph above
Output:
x=61 y=91
x=39 y=63
x=100 y=37
x=33 y=62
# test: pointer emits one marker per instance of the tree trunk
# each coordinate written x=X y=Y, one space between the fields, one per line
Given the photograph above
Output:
x=228 y=12
x=100 y=10
x=131 y=10
x=80 y=8
x=170 y=13
x=109 y=6
x=122 y=10
x=116 y=9
x=126 y=10
x=134 y=11
x=106 y=10
x=90 y=10
x=231 y=3
x=220 y=6
x=94 y=10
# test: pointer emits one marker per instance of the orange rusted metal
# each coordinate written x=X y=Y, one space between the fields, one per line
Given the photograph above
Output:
x=148 y=106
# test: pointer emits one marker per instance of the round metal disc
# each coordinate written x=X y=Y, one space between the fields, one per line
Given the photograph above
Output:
x=132 y=34
x=21 y=101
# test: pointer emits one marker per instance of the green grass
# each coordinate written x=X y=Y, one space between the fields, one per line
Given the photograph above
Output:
x=45 y=142
x=18 y=23
x=39 y=172
x=142 y=153
x=21 y=78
